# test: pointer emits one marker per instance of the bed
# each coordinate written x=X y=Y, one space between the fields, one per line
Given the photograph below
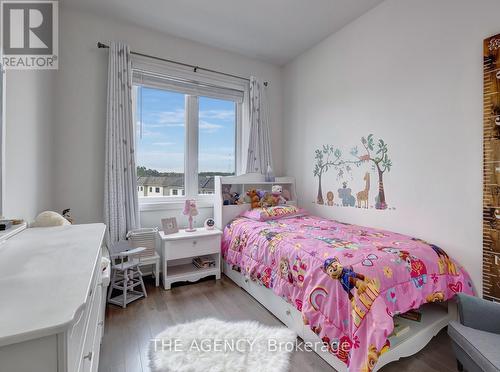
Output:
x=339 y=285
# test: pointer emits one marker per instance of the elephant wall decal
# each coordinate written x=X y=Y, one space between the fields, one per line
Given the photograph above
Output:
x=348 y=199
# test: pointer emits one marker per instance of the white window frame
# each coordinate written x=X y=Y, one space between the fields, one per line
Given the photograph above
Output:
x=191 y=183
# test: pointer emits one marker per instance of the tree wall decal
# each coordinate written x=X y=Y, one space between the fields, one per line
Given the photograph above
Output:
x=329 y=157
x=326 y=158
x=377 y=154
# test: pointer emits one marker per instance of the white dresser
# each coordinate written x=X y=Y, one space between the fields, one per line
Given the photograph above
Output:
x=52 y=291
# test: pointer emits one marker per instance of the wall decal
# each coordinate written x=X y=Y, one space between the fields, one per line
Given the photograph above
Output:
x=345 y=194
x=374 y=153
x=381 y=163
x=491 y=171
x=327 y=158
x=362 y=196
x=329 y=198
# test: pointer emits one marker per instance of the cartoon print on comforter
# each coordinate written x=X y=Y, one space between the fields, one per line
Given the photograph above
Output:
x=347 y=280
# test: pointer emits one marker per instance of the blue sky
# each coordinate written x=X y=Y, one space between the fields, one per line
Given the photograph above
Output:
x=163 y=125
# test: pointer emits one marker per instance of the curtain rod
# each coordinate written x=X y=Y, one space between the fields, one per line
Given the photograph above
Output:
x=195 y=68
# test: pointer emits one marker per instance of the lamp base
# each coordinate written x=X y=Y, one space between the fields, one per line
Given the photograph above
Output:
x=190 y=229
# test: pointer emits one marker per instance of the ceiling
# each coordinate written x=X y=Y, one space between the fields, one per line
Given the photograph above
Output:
x=274 y=31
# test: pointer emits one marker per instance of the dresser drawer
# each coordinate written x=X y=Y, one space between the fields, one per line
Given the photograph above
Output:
x=191 y=247
x=89 y=356
x=76 y=333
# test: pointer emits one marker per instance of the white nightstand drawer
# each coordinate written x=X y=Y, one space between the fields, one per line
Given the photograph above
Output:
x=196 y=246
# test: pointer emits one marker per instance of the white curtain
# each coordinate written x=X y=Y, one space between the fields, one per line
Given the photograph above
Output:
x=121 y=210
x=259 y=146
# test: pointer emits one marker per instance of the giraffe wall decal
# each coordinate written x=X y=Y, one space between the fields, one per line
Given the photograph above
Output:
x=362 y=196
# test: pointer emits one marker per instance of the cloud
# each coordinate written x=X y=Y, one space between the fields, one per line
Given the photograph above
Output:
x=209 y=127
x=217 y=114
x=146 y=132
x=162 y=119
x=163 y=143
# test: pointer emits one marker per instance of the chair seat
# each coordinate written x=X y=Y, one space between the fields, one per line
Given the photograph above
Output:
x=482 y=347
x=126 y=265
x=148 y=260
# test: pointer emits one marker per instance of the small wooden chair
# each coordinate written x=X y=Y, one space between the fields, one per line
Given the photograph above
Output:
x=147 y=238
x=126 y=275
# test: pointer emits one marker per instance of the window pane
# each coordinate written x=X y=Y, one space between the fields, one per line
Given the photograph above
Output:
x=160 y=118
x=216 y=141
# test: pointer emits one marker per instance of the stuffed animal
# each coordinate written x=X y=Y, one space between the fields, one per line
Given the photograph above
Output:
x=254 y=198
x=261 y=193
x=268 y=200
x=277 y=192
x=49 y=218
x=65 y=214
x=226 y=195
x=235 y=198
x=244 y=199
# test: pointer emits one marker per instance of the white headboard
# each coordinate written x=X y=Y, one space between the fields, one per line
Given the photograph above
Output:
x=225 y=213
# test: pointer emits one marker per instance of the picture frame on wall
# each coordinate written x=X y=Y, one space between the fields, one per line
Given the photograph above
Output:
x=169 y=225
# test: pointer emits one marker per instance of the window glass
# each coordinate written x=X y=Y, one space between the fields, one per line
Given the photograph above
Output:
x=216 y=141
x=160 y=140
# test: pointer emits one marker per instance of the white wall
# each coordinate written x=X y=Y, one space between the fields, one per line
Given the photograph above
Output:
x=409 y=72
x=81 y=110
x=28 y=141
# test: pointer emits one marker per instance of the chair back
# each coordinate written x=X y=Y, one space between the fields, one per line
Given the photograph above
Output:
x=145 y=237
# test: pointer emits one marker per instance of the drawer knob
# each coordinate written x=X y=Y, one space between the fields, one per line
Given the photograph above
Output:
x=101 y=323
x=88 y=356
x=195 y=242
x=288 y=312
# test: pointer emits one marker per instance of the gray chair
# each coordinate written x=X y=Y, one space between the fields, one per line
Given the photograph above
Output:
x=476 y=339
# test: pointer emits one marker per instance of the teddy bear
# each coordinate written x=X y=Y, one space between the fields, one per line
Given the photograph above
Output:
x=347 y=277
x=254 y=198
x=267 y=201
x=277 y=193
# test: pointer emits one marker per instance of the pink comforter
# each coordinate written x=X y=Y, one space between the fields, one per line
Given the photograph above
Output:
x=348 y=281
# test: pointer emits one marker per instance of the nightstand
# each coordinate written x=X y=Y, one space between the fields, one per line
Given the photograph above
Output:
x=178 y=250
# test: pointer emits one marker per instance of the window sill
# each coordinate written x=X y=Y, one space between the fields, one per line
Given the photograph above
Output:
x=156 y=205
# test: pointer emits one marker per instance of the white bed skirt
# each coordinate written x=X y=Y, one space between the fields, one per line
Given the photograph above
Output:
x=434 y=318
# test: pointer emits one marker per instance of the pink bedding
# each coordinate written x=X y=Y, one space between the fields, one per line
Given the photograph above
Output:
x=348 y=281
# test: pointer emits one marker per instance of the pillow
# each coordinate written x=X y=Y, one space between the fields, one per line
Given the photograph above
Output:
x=273 y=213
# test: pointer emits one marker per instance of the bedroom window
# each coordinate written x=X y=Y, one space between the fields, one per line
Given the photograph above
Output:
x=186 y=134
x=216 y=141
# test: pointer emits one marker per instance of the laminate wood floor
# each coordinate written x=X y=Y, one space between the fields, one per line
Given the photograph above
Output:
x=128 y=331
